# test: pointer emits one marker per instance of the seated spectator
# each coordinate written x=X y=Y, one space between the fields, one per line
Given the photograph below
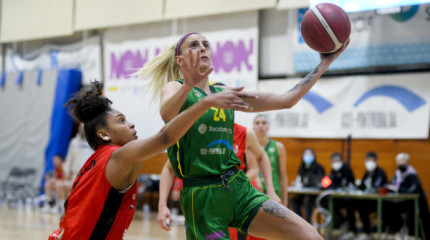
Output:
x=373 y=179
x=310 y=173
x=342 y=178
x=78 y=153
x=405 y=180
x=53 y=181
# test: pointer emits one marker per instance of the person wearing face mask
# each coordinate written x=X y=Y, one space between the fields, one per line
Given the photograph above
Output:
x=342 y=176
x=309 y=174
x=405 y=180
x=373 y=178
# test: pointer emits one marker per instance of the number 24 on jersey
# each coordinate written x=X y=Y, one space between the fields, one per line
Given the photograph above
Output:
x=219 y=114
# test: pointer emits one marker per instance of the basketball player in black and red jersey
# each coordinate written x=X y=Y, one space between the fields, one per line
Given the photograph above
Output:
x=103 y=197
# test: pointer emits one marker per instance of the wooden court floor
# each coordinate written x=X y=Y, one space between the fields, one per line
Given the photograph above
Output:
x=20 y=224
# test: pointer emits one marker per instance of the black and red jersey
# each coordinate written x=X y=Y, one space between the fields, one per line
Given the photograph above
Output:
x=94 y=209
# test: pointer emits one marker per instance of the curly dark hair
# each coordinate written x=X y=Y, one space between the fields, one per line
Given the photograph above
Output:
x=91 y=108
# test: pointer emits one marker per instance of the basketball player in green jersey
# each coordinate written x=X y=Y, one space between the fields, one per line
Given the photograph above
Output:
x=259 y=160
x=276 y=152
x=215 y=193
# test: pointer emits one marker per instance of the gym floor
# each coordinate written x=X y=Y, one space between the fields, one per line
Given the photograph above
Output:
x=20 y=225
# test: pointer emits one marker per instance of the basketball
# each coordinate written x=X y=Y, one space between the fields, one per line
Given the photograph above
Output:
x=325 y=27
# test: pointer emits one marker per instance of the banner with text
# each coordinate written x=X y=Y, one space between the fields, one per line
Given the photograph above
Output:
x=234 y=57
x=376 y=107
x=84 y=55
x=376 y=40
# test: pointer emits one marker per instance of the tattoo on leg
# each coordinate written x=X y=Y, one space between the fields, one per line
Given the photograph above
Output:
x=276 y=209
x=306 y=80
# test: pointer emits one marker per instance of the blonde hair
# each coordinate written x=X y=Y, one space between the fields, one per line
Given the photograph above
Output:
x=160 y=70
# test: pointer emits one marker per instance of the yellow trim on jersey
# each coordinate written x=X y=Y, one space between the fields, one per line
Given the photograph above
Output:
x=192 y=198
x=177 y=158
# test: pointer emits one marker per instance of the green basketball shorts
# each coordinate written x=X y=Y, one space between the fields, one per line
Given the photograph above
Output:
x=210 y=205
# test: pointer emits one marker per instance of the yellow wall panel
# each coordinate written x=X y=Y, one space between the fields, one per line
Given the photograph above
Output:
x=92 y=14
x=35 y=19
x=192 y=8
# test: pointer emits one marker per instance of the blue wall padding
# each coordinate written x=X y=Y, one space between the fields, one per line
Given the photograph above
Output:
x=19 y=79
x=2 y=79
x=68 y=83
x=39 y=77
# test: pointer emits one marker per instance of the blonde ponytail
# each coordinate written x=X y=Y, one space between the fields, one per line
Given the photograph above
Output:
x=160 y=70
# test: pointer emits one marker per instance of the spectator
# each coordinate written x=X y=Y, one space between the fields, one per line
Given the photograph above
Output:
x=53 y=181
x=277 y=155
x=405 y=180
x=373 y=179
x=78 y=153
x=310 y=174
x=342 y=177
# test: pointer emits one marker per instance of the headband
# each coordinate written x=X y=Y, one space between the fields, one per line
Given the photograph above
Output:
x=178 y=45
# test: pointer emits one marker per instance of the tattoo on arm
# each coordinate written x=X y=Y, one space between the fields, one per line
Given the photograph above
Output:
x=306 y=80
x=276 y=209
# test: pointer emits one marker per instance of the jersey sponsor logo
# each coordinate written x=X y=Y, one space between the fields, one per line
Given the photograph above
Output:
x=202 y=128
x=220 y=129
x=221 y=141
x=216 y=150
x=212 y=151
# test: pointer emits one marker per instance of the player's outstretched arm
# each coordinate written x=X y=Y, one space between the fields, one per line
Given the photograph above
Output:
x=269 y=101
x=126 y=162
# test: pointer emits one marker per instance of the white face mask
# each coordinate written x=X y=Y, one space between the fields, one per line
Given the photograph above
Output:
x=370 y=165
x=337 y=165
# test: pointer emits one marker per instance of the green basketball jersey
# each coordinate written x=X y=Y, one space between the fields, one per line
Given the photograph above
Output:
x=207 y=148
x=272 y=151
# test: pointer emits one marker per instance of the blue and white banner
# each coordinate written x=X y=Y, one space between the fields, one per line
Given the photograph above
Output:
x=84 y=56
x=376 y=40
x=366 y=107
x=234 y=57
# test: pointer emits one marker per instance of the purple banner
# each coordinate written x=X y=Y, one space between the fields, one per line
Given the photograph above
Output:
x=226 y=57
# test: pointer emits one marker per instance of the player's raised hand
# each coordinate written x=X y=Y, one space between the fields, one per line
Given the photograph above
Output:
x=332 y=56
x=190 y=69
x=231 y=98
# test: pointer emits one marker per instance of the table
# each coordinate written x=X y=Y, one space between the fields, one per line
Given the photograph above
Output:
x=379 y=198
x=304 y=190
x=360 y=195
